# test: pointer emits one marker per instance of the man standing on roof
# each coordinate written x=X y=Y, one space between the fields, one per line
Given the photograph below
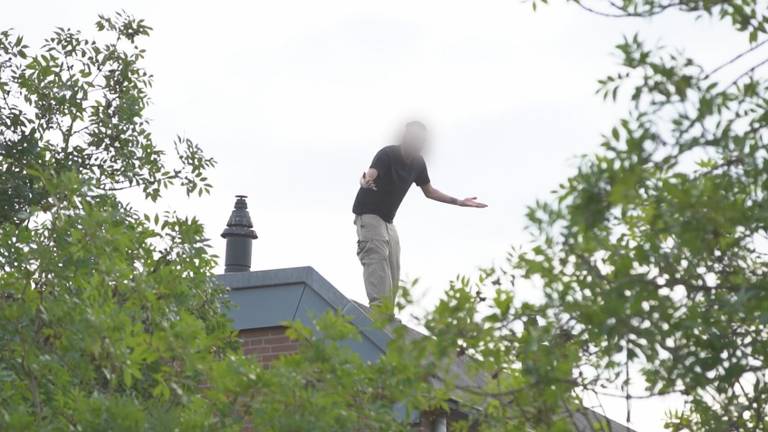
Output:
x=382 y=188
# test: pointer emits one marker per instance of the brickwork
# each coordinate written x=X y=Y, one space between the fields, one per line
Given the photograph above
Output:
x=267 y=344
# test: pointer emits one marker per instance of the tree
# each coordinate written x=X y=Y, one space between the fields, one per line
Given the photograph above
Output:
x=78 y=105
x=110 y=319
x=653 y=254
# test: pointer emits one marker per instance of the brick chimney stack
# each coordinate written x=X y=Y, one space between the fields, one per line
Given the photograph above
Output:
x=239 y=234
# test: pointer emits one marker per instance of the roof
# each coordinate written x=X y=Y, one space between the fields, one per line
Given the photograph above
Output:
x=268 y=298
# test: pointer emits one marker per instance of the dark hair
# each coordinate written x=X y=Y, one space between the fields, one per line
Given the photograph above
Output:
x=415 y=124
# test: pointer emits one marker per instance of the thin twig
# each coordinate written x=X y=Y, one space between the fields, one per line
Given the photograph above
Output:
x=736 y=58
x=624 y=12
x=747 y=72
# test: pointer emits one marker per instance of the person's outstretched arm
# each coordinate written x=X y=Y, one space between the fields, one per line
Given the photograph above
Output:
x=434 y=194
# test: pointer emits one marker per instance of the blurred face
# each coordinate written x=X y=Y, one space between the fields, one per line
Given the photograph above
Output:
x=414 y=140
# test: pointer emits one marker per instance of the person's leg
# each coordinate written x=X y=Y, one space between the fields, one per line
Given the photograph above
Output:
x=394 y=261
x=373 y=252
x=376 y=272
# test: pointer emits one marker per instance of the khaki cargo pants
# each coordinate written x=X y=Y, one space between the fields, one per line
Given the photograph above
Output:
x=378 y=248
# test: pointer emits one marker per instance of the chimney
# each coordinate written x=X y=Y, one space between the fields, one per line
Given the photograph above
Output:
x=239 y=234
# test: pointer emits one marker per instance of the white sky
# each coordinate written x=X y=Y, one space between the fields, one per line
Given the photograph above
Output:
x=293 y=98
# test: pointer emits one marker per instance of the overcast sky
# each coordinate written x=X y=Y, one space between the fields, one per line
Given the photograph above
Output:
x=293 y=98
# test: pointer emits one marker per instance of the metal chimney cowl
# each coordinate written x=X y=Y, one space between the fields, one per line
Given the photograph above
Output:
x=239 y=235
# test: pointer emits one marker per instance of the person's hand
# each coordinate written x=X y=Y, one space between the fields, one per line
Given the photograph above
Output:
x=367 y=183
x=471 y=202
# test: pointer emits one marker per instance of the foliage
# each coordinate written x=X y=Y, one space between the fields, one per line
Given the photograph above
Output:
x=110 y=319
x=78 y=105
x=326 y=386
x=505 y=372
x=654 y=252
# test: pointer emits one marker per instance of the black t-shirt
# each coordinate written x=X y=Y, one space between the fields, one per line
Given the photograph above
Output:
x=392 y=183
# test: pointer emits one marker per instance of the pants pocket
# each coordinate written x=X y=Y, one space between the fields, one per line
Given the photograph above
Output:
x=371 y=227
x=361 y=245
x=373 y=251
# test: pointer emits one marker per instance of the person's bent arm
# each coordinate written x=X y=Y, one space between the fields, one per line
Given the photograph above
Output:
x=434 y=194
x=367 y=180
